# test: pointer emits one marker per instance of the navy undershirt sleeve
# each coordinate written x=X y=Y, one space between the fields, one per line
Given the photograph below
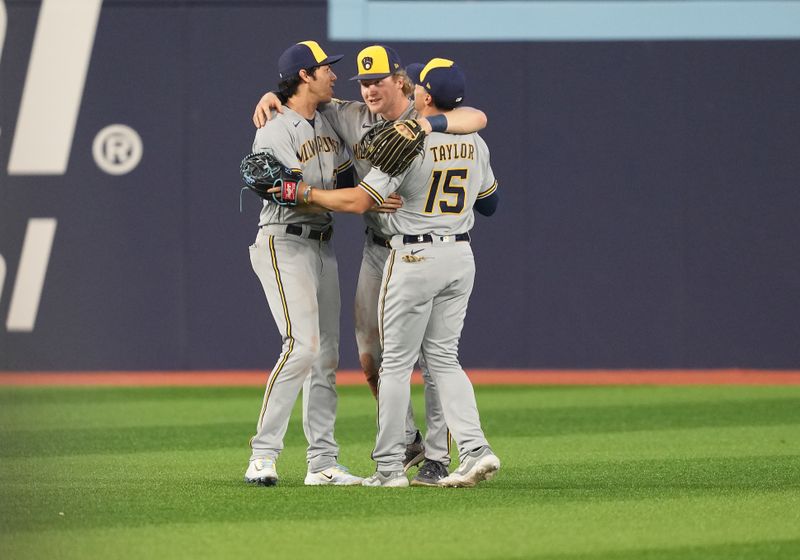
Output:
x=488 y=205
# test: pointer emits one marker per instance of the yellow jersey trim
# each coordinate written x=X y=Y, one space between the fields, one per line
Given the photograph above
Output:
x=488 y=192
x=372 y=192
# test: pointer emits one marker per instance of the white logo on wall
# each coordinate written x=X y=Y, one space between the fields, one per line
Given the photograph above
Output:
x=59 y=61
x=117 y=149
x=32 y=270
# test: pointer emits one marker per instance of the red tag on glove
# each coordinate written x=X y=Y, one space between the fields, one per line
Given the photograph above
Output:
x=289 y=191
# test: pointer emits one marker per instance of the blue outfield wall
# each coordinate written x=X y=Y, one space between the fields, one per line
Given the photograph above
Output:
x=650 y=194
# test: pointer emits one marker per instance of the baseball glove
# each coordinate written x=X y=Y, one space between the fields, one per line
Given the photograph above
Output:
x=392 y=146
x=262 y=171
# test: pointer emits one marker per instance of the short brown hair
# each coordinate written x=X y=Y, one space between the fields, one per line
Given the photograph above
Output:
x=408 y=85
x=288 y=86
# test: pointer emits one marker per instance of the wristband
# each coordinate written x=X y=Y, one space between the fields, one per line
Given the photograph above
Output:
x=307 y=194
x=438 y=123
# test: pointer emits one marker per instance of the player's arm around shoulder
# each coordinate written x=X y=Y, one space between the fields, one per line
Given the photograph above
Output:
x=267 y=108
x=461 y=120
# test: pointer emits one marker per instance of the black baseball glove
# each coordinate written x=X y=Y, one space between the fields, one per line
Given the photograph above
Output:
x=262 y=171
x=392 y=146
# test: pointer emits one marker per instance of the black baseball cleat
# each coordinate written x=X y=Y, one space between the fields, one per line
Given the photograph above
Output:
x=429 y=474
x=415 y=453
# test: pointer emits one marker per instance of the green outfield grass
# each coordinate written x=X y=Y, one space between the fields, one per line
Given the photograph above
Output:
x=588 y=472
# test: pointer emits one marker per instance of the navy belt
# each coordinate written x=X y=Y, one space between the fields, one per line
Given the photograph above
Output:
x=411 y=239
x=316 y=234
x=428 y=238
x=378 y=240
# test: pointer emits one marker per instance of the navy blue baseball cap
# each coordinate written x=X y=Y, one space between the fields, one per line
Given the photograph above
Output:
x=414 y=70
x=443 y=80
x=377 y=62
x=306 y=54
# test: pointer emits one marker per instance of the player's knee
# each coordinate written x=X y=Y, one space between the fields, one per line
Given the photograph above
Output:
x=305 y=355
x=440 y=361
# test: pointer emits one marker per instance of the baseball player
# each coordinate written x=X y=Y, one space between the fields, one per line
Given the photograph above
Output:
x=385 y=88
x=427 y=279
x=294 y=260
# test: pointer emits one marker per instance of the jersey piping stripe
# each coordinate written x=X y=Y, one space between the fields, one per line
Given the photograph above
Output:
x=288 y=352
x=449 y=440
x=488 y=192
x=380 y=332
x=344 y=166
x=378 y=410
x=385 y=291
x=372 y=192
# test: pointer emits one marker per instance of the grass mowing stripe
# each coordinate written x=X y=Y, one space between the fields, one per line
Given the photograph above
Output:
x=498 y=418
x=600 y=443
x=100 y=406
x=511 y=420
x=81 y=394
x=138 y=494
x=499 y=532
x=537 y=396
x=730 y=441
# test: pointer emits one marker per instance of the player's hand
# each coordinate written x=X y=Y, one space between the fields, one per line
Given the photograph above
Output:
x=390 y=204
x=269 y=102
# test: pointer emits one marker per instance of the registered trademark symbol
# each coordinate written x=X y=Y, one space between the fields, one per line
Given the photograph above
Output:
x=117 y=149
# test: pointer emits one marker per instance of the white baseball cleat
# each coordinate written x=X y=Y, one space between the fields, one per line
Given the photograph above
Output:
x=394 y=479
x=261 y=471
x=477 y=466
x=337 y=475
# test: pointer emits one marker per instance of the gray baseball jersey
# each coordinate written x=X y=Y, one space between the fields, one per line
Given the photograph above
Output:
x=351 y=120
x=438 y=190
x=427 y=282
x=296 y=265
x=314 y=149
